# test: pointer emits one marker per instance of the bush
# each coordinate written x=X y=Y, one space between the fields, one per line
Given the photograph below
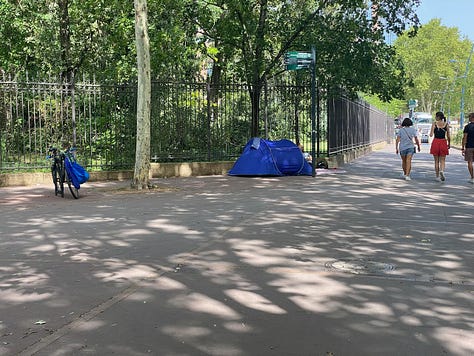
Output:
x=456 y=139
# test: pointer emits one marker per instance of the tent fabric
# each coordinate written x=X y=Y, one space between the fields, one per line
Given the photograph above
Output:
x=262 y=157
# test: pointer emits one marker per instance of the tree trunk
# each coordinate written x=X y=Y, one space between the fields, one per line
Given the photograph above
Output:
x=65 y=40
x=255 y=93
x=258 y=72
x=141 y=177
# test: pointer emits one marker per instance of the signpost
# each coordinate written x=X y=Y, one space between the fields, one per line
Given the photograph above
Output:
x=296 y=60
x=412 y=104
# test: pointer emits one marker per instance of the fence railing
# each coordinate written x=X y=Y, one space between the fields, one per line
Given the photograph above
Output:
x=189 y=121
x=354 y=123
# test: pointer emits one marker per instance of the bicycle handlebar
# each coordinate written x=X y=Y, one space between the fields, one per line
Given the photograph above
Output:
x=54 y=151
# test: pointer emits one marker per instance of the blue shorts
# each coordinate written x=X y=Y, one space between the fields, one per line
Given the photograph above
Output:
x=407 y=152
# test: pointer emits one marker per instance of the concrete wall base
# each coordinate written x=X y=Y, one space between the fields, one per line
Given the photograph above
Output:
x=158 y=170
x=166 y=170
x=339 y=160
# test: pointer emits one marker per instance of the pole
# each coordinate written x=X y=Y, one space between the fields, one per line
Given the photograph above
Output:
x=209 y=115
x=442 y=98
x=318 y=121
x=461 y=119
x=443 y=92
x=313 y=111
x=73 y=109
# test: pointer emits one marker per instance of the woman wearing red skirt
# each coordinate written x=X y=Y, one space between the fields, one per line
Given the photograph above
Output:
x=440 y=145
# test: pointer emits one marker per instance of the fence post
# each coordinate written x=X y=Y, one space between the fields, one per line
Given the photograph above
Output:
x=73 y=109
x=313 y=110
x=209 y=100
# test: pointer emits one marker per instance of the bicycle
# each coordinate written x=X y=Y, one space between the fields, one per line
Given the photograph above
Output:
x=59 y=172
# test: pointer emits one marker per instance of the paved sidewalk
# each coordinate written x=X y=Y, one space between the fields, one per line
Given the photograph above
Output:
x=358 y=262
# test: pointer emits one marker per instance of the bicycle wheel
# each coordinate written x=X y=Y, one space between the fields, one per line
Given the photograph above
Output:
x=72 y=188
x=55 y=175
x=61 y=175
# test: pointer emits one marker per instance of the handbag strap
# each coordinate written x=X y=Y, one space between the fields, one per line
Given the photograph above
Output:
x=406 y=133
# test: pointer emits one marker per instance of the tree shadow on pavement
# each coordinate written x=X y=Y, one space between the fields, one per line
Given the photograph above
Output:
x=360 y=263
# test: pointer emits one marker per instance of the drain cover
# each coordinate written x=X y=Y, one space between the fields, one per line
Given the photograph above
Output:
x=360 y=266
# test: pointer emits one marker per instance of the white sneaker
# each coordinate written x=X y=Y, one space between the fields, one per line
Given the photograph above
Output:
x=438 y=179
x=471 y=180
x=441 y=175
x=407 y=178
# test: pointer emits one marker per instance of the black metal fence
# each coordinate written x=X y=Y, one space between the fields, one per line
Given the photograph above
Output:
x=354 y=124
x=189 y=121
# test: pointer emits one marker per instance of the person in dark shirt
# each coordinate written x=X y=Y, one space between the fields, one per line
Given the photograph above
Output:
x=468 y=145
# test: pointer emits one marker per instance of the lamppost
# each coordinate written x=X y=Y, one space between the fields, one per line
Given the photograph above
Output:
x=456 y=76
x=452 y=88
x=461 y=118
x=442 y=92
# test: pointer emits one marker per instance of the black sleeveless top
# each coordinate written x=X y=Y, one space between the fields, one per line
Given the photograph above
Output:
x=440 y=132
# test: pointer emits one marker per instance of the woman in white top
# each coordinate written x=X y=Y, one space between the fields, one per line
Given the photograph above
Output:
x=404 y=144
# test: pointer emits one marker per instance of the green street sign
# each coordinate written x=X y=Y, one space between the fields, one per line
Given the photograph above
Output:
x=296 y=66
x=412 y=103
x=298 y=55
x=296 y=60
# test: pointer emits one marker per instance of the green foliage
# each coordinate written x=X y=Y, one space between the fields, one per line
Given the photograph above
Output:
x=456 y=139
x=252 y=37
x=101 y=34
x=434 y=61
x=393 y=108
x=244 y=38
x=241 y=39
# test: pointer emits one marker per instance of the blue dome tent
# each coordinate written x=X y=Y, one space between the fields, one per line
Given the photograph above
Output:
x=270 y=158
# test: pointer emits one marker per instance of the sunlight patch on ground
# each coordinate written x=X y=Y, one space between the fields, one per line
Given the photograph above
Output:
x=457 y=341
x=411 y=320
x=42 y=248
x=311 y=291
x=201 y=303
x=115 y=270
x=192 y=335
x=166 y=226
x=90 y=325
x=16 y=296
x=186 y=331
x=254 y=301
x=165 y=284
x=136 y=232
x=83 y=256
x=371 y=308
x=238 y=327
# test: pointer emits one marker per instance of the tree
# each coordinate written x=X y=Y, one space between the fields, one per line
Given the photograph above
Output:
x=142 y=153
x=434 y=60
x=93 y=37
x=253 y=36
x=393 y=108
x=22 y=34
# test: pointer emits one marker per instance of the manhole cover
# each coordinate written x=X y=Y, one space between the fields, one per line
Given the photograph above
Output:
x=361 y=266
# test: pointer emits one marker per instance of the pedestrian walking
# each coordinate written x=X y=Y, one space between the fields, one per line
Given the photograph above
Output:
x=405 y=146
x=468 y=145
x=440 y=145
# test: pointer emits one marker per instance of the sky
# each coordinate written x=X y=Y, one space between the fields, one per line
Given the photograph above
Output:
x=453 y=13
